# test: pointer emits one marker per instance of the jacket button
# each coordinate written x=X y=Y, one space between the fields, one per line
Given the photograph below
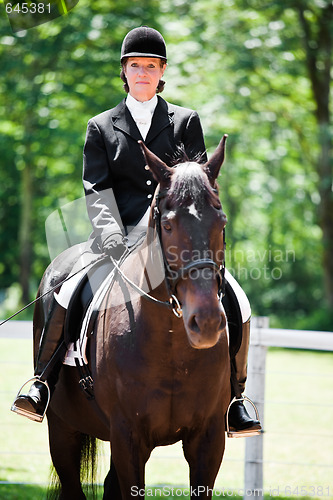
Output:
x=149 y=196
x=146 y=167
x=148 y=183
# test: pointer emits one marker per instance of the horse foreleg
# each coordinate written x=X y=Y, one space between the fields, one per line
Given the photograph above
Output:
x=65 y=448
x=111 y=485
x=204 y=453
x=129 y=457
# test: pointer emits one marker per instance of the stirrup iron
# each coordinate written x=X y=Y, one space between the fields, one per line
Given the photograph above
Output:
x=36 y=417
x=243 y=433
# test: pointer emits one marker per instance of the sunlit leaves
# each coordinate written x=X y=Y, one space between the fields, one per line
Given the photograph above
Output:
x=241 y=64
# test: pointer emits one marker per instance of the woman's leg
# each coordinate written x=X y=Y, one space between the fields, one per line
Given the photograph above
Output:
x=52 y=349
x=239 y=420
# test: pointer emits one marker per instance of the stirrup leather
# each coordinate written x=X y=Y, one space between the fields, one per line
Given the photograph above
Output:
x=242 y=433
x=36 y=417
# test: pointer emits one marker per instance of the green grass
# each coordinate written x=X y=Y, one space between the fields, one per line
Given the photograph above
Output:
x=298 y=440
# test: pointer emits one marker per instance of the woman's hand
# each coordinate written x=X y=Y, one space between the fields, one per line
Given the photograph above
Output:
x=114 y=245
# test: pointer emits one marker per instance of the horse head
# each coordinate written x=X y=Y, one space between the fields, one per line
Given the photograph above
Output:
x=191 y=224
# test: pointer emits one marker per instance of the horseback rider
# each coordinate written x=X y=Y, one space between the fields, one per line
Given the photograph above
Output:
x=112 y=160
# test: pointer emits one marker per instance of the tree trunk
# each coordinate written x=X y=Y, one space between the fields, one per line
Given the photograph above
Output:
x=25 y=226
x=326 y=206
x=318 y=45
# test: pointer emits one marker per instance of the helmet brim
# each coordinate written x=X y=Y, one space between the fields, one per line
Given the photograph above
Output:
x=140 y=54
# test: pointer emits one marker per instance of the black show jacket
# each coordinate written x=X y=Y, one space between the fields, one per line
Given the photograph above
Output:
x=118 y=187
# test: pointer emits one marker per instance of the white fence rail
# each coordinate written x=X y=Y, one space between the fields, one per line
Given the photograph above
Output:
x=261 y=337
x=16 y=330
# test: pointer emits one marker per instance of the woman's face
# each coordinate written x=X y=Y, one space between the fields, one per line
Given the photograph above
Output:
x=143 y=75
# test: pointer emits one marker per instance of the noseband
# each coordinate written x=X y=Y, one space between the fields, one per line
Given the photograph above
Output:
x=172 y=276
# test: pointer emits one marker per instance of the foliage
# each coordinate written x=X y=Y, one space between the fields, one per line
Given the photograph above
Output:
x=242 y=65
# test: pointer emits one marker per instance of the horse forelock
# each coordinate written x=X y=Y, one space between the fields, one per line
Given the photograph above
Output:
x=190 y=186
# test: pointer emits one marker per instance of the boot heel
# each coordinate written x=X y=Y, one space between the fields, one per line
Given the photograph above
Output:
x=36 y=417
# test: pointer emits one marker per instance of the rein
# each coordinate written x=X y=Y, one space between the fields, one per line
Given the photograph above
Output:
x=101 y=257
x=172 y=302
x=172 y=277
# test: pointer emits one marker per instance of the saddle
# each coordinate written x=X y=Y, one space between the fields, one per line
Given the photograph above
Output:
x=81 y=316
x=82 y=297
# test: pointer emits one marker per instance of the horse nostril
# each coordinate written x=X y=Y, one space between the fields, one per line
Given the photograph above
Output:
x=193 y=324
x=199 y=325
x=223 y=323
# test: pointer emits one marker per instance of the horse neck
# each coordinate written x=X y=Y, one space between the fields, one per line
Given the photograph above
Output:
x=152 y=264
x=145 y=267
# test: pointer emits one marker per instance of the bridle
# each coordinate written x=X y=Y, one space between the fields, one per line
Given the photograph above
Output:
x=172 y=276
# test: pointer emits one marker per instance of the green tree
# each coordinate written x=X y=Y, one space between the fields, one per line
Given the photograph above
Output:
x=316 y=21
x=54 y=78
x=259 y=71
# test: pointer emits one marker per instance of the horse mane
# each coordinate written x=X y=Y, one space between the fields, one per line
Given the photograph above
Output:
x=190 y=184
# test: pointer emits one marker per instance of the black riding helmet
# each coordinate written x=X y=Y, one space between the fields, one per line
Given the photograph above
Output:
x=143 y=42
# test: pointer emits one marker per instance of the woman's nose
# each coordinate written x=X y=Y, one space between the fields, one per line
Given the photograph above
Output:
x=141 y=70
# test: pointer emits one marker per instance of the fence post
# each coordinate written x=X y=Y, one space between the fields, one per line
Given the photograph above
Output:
x=255 y=390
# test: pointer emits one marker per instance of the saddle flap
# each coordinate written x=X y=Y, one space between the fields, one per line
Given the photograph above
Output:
x=87 y=288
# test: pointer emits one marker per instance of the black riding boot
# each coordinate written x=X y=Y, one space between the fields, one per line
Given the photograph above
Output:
x=240 y=422
x=50 y=356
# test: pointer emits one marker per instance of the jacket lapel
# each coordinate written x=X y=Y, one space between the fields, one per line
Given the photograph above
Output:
x=123 y=120
x=162 y=118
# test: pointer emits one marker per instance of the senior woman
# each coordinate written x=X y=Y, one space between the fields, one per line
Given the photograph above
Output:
x=113 y=162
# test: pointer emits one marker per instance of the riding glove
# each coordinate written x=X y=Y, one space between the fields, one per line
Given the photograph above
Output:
x=114 y=245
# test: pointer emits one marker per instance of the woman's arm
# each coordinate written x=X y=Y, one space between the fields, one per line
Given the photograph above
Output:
x=98 y=186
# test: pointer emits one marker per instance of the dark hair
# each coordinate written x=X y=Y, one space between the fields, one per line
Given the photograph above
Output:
x=161 y=83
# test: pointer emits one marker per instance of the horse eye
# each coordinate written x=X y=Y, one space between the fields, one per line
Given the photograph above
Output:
x=167 y=227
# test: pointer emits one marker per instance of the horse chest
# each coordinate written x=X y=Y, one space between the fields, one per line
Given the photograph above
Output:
x=170 y=393
x=160 y=384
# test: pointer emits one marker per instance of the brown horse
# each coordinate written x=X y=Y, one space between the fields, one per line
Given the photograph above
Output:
x=158 y=377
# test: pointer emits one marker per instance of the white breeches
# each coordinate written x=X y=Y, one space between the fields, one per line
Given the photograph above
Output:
x=67 y=288
x=243 y=301
x=65 y=293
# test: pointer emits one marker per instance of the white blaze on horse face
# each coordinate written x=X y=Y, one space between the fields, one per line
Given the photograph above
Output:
x=193 y=211
x=171 y=215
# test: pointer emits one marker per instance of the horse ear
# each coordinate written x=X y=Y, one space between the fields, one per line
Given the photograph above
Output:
x=159 y=169
x=213 y=165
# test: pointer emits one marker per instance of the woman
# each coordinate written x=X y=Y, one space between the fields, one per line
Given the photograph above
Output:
x=114 y=171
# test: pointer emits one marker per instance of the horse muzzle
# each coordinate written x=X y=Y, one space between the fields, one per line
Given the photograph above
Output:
x=204 y=325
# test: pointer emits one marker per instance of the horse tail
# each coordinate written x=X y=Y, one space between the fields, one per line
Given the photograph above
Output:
x=89 y=464
x=88 y=469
